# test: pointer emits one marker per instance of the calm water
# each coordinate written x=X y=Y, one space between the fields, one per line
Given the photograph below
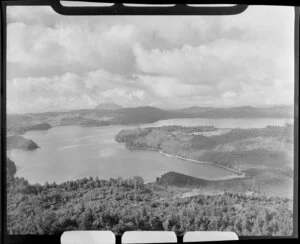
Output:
x=73 y=152
x=225 y=123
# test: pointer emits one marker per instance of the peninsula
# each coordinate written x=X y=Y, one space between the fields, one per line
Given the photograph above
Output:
x=263 y=158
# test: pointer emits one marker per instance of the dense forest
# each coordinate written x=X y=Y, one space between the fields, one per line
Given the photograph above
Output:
x=129 y=204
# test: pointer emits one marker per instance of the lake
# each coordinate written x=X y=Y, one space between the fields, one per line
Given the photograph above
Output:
x=73 y=152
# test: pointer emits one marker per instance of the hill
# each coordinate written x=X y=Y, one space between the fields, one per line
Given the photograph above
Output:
x=19 y=142
x=108 y=106
x=259 y=181
x=194 y=109
x=141 y=115
x=264 y=156
x=249 y=112
x=181 y=180
x=271 y=146
x=19 y=124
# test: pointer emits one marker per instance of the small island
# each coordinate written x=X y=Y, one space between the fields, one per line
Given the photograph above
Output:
x=20 y=142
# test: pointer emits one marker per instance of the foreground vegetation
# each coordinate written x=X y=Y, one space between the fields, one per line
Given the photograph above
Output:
x=121 y=205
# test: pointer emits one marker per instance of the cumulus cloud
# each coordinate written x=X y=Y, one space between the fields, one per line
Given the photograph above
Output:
x=170 y=87
x=69 y=91
x=57 y=62
x=69 y=47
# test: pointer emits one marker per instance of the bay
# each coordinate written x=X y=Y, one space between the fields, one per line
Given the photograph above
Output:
x=73 y=152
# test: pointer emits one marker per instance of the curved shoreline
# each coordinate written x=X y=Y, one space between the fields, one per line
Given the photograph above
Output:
x=240 y=173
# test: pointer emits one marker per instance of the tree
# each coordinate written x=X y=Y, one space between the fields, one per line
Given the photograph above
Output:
x=138 y=182
x=87 y=219
x=81 y=207
x=156 y=224
x=47 y=222
x=11 y=168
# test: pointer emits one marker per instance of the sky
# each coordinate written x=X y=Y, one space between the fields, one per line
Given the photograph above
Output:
x=59 y=63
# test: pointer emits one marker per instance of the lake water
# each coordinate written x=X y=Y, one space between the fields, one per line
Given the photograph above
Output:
x=225 y=123
x=72 y=152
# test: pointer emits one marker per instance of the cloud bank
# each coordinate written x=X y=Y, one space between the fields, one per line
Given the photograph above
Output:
x=59 y=62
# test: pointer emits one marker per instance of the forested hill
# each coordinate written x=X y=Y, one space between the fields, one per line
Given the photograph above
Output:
x=264 y=155
x=128 y=204
x=270 y=147
x=177 y=179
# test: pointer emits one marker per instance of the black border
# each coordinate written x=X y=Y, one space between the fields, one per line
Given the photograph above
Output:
x=119 y=9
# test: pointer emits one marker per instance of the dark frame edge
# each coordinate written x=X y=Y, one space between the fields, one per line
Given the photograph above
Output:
x=3 y=120
x=120 y=9
x=296 y=123
x=16 y=239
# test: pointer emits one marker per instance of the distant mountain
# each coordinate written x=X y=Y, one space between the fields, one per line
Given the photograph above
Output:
x=249 y=112
x=145 y=114
x=239 y=112
x=194 y=109
x=19 y=142
x=108 y=106
x=110 y=113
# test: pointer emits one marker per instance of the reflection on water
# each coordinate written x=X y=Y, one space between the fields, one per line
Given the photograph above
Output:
x=73 y=152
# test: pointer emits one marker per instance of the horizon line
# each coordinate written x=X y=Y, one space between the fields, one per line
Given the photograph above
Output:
x=161 y=108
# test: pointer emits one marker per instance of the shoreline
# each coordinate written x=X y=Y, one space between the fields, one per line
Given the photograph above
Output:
x=239 y=176
x=242 y=174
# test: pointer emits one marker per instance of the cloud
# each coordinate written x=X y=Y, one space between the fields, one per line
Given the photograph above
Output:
x=170 y=87
x=124 y=93
x=214 y=62
x=70 y=46
x=70 y=91
x=57 y=62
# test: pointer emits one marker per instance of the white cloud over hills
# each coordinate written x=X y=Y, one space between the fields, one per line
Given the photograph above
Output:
x=60 y=62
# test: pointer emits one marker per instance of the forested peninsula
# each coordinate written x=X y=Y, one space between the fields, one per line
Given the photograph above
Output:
x=263 y=156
